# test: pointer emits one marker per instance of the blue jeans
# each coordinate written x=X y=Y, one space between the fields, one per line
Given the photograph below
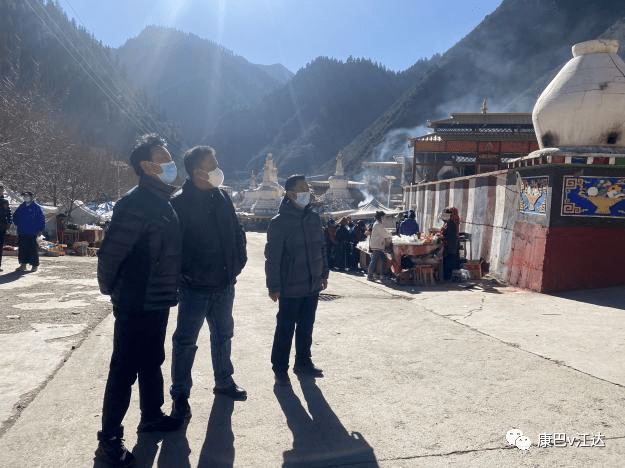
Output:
x=295 y=314
x=375 y=256
x=195 y=307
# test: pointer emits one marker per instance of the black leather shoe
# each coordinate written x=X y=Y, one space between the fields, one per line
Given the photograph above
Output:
x=308 y=369
x=162 y=423
x=282 y=379
x=233 y=391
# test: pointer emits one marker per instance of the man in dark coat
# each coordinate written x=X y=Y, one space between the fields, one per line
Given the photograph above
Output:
x=5 y=220
x=213 y=254
x=30 y=222
x=358 y=234
x=343 y=237
x=138 y=266
x=296 y=269
x=330 y=235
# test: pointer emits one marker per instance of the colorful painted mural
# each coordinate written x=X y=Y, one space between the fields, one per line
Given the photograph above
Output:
x=593 y=196
x=533 y=195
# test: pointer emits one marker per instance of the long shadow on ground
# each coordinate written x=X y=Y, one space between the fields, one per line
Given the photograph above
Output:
x=319 y=438
x=607 y=297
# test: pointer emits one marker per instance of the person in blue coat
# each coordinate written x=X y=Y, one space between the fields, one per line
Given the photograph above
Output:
x=30 y=222
x=409 y=225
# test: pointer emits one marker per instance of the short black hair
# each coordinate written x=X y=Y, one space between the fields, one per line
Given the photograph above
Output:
x=142 y=150
x=411 y=214
x=379 y=214
x=194 y=156
x=292 y=181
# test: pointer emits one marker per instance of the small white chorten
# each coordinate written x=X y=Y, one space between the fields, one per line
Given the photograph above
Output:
x=266 y=198
x=338 y=197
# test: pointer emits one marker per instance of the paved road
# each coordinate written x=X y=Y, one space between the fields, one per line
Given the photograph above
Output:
x=43 y=316
x=413 y=377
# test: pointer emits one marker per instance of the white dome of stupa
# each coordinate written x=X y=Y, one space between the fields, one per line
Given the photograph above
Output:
x=584 y=105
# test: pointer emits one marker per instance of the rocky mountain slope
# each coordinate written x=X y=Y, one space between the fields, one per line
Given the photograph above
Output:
x=193 y=80
x=509 y=58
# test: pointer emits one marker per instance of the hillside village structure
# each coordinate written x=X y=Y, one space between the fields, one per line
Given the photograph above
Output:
x=553 y=219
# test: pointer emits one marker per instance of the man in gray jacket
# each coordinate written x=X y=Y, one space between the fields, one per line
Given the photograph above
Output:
x=296 y=268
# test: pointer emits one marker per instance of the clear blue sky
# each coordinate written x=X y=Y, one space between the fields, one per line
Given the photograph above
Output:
x=395 y=33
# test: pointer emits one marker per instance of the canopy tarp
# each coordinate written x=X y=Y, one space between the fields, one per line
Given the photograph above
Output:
x=365 y=211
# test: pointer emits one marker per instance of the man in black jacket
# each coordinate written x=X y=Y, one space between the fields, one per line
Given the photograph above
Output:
x=296 y=268
x=138 y=266
x=5 y=220
x=213 y=254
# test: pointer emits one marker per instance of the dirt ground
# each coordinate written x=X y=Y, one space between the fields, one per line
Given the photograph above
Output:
x=63 y=291
x=44 y=317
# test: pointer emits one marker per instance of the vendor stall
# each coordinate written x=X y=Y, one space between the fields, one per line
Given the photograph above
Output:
x=411 y=259
x=416 y=260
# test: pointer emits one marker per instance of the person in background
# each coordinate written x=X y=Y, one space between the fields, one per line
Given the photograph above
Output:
x=61 y=224
x=409 y=225
x=351 y=258
x=358 y=235
x=5 y=220
x=213 y=255
x=377 y=243
x=138 y=266
x=30 y=222
x=296 y=270
x=449 y=231
x=342 y=245
x=399 y=219
x=331 y=243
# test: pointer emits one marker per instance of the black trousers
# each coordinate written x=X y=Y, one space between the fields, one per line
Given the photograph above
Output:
x=450 y=262
x=2 y=233
x=27 y=249
x=138 y=350
x=295 y=314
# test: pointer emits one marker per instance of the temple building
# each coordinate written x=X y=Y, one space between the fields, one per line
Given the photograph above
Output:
x=552 y=219
x=471 y=143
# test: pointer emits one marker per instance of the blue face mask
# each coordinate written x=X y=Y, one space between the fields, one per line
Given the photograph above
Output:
x=169 y=172
x=303 y=198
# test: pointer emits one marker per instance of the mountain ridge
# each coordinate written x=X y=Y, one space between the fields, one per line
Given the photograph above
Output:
x=194 y=80
x=511 y=75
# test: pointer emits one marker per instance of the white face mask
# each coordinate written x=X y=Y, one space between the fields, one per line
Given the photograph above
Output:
x=169 y=172
x=214 y=177
x=302 y=198
x=446 y=216
x=27 y=200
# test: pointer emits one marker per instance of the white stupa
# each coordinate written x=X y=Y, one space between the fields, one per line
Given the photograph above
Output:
x=265 y=199
x=584 y=105
x=338 y=197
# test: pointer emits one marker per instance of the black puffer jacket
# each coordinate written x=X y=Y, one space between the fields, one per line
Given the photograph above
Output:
x=139 y=260
x=214 y=244
x=5 y=214
x=296 y=261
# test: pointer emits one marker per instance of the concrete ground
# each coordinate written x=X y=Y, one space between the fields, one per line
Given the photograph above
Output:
x=413 y=377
